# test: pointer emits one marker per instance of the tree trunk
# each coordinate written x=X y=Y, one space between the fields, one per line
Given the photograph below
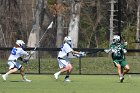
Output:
x=74 y=22
x=111 y=21
x=2 y=38
x=138 y=28
x=60 y=23
x=95 y=24
x=34 y=34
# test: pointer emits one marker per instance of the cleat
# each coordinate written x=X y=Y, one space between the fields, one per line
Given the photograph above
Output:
x=4 y=77
x=56 y=75
x=121 y=79
x=67 y=80
x=27 y=80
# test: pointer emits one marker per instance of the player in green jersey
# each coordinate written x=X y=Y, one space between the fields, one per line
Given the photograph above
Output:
x=118 y=51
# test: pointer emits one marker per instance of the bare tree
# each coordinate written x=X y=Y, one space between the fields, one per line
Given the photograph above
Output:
x=10 y=20
x=59 y=8
x=74 y=21
x=94 y=23
x=138 y=25
x=35 y=32
x=111 y=20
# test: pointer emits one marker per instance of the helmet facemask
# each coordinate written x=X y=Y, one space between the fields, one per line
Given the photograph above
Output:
x=116 y=39
x=68 y=40
x=70 y=43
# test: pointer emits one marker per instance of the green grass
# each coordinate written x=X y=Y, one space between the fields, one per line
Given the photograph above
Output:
x=79 y=84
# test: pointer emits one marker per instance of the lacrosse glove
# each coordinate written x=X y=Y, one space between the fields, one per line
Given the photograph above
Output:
x=26 y=59
x=82 y=53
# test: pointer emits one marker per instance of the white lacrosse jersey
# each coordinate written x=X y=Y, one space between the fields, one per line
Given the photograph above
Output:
x=65 y=49
x=16 y=53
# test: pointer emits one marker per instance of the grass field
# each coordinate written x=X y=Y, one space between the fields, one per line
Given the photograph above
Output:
x=79 y=84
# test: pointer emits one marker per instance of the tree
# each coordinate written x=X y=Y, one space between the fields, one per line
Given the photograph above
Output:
x=34 y=34
x=138 y=25
x=74 y=21
x=10 y=23
x=36 y=28
x=111 y=21
x=59 y=8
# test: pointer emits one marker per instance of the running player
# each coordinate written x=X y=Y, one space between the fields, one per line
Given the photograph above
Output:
x=118 y=51
x=17 y=52
x=63 y=61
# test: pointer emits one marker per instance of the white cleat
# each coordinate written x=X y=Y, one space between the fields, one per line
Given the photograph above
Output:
x=4 y=77
x=67 y=80
x=56 y=75
x=27 y=80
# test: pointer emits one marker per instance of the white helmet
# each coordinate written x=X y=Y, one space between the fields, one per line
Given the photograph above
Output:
x=20 y=43
x=68 y=40
x=116 y=39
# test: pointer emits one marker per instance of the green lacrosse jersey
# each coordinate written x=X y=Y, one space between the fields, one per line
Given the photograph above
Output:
x=117 y=51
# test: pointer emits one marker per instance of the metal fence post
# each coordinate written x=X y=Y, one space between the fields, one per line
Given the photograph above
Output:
x=80 y=65
x=39 y=62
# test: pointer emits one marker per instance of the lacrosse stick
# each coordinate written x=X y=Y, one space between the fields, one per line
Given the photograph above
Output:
x=28 y=57
x=50 y=26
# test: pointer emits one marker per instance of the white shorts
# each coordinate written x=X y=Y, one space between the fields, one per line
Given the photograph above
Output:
x=13 y=64
x=63 y=63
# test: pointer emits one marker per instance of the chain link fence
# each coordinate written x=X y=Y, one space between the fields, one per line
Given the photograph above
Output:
x=96 y=62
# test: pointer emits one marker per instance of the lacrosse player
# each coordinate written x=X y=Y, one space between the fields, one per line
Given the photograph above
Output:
x=64 y=63
x=16 y=53
x=117 y=49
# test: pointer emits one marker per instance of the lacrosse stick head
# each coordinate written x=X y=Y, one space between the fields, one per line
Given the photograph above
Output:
x=50 y=26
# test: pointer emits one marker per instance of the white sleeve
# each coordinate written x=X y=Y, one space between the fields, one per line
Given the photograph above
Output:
x=24 y=52
x=67 y=48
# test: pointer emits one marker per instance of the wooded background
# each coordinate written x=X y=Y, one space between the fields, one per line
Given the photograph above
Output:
x=88 y=22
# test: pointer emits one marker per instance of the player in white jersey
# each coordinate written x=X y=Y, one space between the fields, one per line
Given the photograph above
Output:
x=64 y=63
x=16 y=53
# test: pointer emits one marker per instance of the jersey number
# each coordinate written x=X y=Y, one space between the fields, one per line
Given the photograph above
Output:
x=13 y=52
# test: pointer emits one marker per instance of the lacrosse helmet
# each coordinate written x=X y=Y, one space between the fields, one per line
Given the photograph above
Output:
x=20 y=43
x=68 y=40
x=116 y=39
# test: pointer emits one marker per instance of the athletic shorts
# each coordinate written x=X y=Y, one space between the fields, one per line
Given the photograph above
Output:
x=63 y=63
x=13 y=64
x=123 y=63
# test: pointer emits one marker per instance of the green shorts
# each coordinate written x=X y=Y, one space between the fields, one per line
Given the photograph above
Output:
x=122 y=62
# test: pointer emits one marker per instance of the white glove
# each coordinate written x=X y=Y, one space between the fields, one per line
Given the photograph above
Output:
x=124 y=51
x=77 y=55
x=125 y=43
x=32 y=52
x=113 y=50
x=82 y=53
x=26 y=59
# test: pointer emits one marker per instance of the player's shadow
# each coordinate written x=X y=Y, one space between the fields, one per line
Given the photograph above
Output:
x=17 y=81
